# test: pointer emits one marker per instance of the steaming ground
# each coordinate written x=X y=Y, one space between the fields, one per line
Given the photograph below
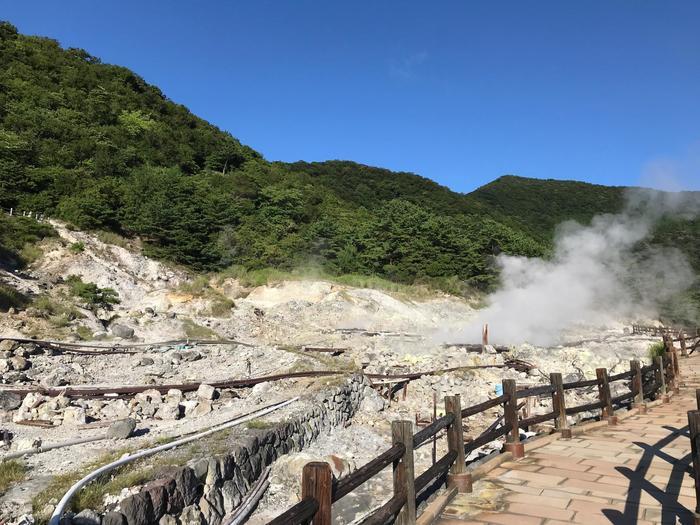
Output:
x=597 y=273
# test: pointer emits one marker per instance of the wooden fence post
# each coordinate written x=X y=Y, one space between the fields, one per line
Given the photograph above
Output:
x=404 y=474
x=684 y=348
x=317 y=483
x=638 y=386
x=673 y=359
x=559 y=404
x=458 y=477
x=661 y=377
x=604 y=395
x=694 y=430
x=510 y=419
x=697 y=398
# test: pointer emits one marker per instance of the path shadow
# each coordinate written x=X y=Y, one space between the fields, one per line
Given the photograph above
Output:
x=672 y=512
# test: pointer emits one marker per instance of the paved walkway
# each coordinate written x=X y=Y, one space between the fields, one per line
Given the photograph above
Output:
x=638 y=472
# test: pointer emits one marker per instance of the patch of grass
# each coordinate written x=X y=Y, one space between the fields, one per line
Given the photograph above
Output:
x=84 y=332
x=18 y=235
x=59 y=484
x=657 y=349
x=10 y=473
x=77 y=247
x=11 y=298
x=53 y=309
x=221 y=307
x=30 y=253
x=259 y=424
x=197 y=331
x=198 y=287
x=420 y=289
x=113 y=238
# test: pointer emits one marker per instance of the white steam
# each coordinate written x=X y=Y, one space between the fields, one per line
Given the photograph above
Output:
x=597 y=273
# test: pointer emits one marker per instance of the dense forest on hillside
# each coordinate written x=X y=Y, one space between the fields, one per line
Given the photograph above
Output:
x=97 y=146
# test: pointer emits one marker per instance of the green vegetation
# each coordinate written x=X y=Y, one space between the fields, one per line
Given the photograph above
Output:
x=94 y=296
x=10 y=473
x=259 y=424
x=77 y=247
x=197 y=331
x=91 y=496
x=11 y=298
x=97 y=146
x=657 y=349
x=17 y=238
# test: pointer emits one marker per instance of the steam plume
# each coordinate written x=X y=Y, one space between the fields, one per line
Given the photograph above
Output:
x=598 y=273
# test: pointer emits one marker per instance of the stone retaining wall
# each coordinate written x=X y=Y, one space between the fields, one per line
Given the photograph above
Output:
x=208 y=488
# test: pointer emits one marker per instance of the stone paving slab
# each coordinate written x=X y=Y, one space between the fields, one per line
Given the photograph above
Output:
x=637 y=472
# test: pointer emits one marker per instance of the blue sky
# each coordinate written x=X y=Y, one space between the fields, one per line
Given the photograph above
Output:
x=460 y=92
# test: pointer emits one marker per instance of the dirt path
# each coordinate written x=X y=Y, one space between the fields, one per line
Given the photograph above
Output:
x=638 y=472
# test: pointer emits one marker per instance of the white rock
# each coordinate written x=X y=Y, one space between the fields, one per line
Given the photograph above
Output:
x=74 y=416
x=206 y=392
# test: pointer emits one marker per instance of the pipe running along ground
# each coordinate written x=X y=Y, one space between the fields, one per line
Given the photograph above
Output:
x=60 y=508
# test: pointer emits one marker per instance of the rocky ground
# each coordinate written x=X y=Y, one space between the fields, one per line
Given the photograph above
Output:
x=376 y=331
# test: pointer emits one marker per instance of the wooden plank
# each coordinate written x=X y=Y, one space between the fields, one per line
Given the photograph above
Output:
x=367 y=471
x=302 y=512
x=637 y=386
x=604 y=392
x=404 y=473
x=510 y=411
x=559 y=401
x=317 y=484
x=694 y=429
x=455 y=437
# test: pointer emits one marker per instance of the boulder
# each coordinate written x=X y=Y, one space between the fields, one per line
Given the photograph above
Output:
x=116 y=410
x=206 y=392
x=202 y=408
x=191 y=515
x=145 y=361
x=187 y=485
x=113 y=518
x=73 y=416
x=174 y=396
x=87 y=517
x=19 y=363
x=10 y=400
x=7 y=346
x=121 y=429
x=27 y=443
x=137 y=509
x=168 y=411
x=120 y=330
x=191 y=355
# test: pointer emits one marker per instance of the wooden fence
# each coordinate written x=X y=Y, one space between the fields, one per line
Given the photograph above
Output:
x=320 y=490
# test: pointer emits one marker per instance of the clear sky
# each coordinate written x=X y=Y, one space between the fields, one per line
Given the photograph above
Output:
x=458 y=91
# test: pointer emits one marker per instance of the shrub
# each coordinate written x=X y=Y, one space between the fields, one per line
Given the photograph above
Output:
x=93 y=295
x=10 y=472
x=77 y=247
x=657 y=349
x=11 y=298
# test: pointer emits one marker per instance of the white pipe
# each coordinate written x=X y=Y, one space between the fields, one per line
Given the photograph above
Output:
x=58 y=511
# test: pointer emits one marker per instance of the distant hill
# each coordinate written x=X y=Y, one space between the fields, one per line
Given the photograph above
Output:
x=97 y=146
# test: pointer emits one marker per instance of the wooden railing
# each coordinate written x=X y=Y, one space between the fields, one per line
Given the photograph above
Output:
x=320 y=491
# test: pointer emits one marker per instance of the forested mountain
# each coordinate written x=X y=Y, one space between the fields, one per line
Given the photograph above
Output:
x=97 y=146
